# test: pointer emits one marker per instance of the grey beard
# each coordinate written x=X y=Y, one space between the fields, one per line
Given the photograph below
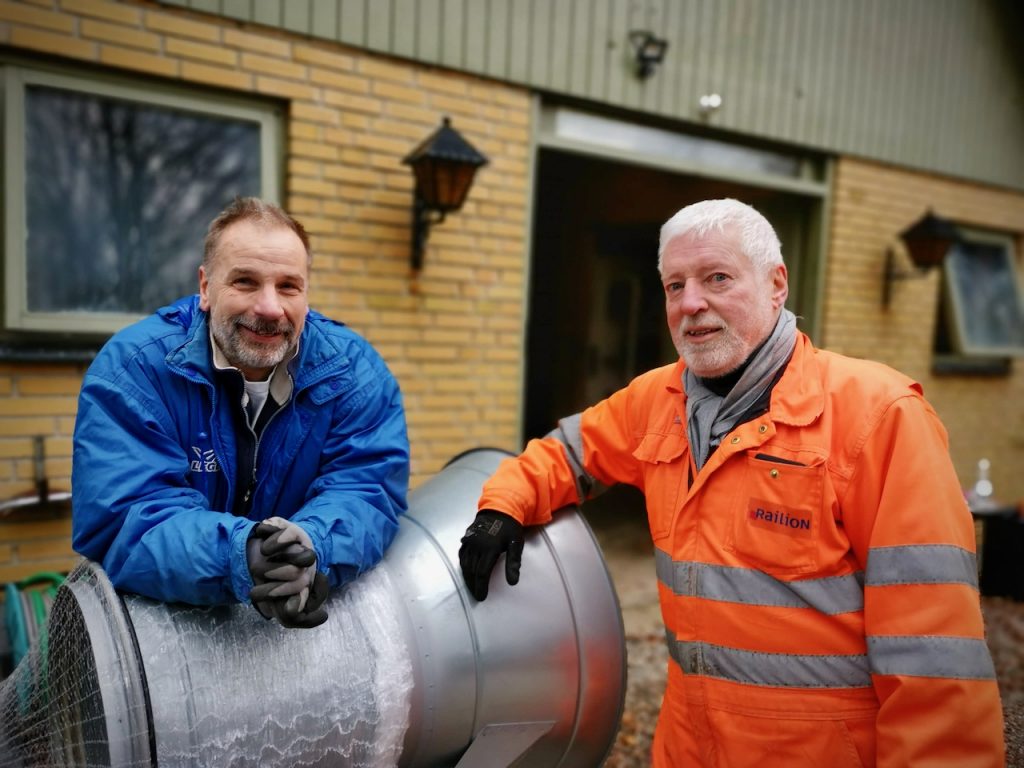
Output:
x=228 y=338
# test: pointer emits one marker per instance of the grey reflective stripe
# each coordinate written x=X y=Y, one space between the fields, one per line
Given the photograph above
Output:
x=771 y=669
x=832 y=595
x=921 y=564
x=568 y=434
x=931 y=656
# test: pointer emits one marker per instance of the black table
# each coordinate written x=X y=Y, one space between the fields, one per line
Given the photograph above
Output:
x=1002 y=552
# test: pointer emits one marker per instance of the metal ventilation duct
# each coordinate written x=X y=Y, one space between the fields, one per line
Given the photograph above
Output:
x=409 y=670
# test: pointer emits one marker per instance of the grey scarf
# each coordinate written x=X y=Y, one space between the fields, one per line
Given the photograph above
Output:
x=710 y=417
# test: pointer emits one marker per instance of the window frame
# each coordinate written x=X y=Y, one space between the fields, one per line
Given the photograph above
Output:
x=952 y=353
x=957 y=310
x=15 y=77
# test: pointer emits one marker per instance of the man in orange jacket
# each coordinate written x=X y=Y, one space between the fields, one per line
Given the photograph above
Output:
x=814 y=554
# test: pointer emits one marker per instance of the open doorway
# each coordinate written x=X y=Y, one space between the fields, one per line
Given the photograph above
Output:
x=596 y=307
x=596 y=311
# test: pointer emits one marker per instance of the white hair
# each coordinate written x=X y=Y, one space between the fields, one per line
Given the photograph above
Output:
x=757 y=237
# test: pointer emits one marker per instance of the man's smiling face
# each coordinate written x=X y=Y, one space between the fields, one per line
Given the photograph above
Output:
x=255 y=291
x=719 y=305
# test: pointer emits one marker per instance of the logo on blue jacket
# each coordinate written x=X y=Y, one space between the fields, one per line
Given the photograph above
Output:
x=205 y=461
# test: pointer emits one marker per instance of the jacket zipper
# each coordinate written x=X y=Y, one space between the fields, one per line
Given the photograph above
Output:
x=256 y=452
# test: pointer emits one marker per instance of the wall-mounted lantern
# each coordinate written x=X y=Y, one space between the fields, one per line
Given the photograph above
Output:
x=927 y=242
x=649 y=51
x=444 y=165
x=709 y=102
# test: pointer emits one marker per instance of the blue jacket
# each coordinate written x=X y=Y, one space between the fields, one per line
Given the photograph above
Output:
x=154 y=463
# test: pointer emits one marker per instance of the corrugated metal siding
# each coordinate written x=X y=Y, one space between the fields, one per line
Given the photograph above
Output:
x=930 y=84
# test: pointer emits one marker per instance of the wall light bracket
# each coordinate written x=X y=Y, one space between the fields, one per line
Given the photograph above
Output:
x=444 y=165
x=649 y=51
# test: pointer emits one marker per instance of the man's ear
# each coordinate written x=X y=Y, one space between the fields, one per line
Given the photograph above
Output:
x=780 y=285
x=204 y=289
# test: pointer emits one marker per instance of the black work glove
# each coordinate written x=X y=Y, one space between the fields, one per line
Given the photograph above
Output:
x=283 y=609
x=288 y=586
x=312 y=615
x=491 y=533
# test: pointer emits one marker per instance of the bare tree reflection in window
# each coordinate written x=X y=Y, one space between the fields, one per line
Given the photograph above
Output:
x=119 y=195
x=987 y=312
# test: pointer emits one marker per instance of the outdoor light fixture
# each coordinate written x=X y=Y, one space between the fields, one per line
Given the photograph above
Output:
x=444 y=165
x=649 y=51
x=927 y=241
x=710 y=102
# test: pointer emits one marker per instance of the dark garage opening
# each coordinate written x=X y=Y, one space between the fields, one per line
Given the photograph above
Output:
x=596 y=313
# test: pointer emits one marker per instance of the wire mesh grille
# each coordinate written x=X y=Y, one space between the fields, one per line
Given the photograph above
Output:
x=56 y=708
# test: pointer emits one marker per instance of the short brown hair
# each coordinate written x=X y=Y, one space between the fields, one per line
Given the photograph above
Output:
x=258 y=211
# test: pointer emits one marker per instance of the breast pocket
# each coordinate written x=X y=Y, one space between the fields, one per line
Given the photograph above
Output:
x=778 y=515
x=664 y=461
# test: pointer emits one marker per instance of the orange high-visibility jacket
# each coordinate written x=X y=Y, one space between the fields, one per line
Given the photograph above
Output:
x=817 y=577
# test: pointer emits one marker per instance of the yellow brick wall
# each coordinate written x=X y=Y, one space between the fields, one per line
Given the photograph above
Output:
x=29 y=545
x=453 y=338
x=872 y=204
x=36 y=401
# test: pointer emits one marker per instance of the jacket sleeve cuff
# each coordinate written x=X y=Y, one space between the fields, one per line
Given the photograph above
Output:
x=241 y=579
x=322 y=549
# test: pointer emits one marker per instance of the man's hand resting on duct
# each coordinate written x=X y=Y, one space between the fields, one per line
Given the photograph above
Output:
x=491 y=534
x=288 y=586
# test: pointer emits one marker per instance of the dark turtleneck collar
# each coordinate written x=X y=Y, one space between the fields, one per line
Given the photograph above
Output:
x=722 y=385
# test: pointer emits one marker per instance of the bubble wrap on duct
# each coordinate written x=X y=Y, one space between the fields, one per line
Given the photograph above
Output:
x=408 y=670
x=226 y=687
x=229 y=688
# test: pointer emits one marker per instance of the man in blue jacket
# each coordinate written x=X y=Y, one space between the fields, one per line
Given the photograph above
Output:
x=237 y=445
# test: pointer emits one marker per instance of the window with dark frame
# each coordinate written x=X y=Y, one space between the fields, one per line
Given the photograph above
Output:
x=980 y=323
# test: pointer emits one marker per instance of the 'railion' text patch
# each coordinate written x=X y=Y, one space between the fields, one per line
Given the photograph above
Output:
x=772 y=517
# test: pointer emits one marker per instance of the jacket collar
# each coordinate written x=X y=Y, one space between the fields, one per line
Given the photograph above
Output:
x=675 y=383
x=797 y=399
x=192 y=356
x=317 y=358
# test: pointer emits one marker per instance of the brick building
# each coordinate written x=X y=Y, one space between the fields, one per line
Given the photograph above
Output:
x=518 y=314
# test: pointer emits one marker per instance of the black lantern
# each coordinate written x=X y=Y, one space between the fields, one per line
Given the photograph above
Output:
x=649 y=51
x=444 y=165
x=927 y=241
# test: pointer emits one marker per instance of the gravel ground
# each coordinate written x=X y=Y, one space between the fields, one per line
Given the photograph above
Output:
x=627 y=549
